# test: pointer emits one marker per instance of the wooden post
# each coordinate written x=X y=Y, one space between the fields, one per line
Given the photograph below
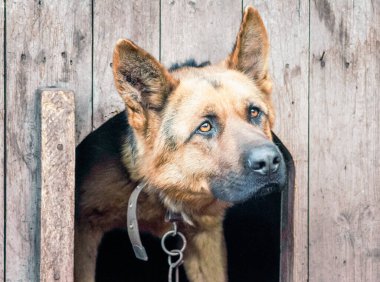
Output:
x=2 y=143
x=287 y=217
x=57 y=185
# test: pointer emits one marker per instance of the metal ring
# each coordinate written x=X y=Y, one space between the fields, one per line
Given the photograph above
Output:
x=178 y=262
x=173 y=234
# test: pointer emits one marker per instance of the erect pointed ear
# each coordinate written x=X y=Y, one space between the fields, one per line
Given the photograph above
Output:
x=142 y=82
x=251 y=50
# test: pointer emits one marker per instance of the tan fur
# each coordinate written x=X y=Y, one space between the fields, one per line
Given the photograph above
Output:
x=176 y=170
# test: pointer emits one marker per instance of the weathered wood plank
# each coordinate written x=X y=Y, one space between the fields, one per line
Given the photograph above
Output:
x=204 y=30
x=344 y=141
x=57 y=185
x=2 y=141
x=135 y=20
x=287 y=25
x=48 y=43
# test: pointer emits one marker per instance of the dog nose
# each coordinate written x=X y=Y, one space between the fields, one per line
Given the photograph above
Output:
x=264 y=159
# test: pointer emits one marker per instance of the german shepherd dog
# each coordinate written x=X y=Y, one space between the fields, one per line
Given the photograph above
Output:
x=199 y=138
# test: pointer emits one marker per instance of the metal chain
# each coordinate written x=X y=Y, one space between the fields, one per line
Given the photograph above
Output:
x=174 y=264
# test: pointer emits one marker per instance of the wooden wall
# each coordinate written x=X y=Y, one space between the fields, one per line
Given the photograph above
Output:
x=326 y=67
x=344 y=138
x=47 y=43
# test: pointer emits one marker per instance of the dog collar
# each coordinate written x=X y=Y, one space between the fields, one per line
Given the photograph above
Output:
x=133 y=227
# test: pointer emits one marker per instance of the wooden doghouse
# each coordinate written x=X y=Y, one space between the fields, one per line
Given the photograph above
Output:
x=325 y=66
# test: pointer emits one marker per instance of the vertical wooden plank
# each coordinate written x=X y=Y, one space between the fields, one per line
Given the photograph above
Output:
x=2 y=141
x=57 y=185
x=344 y=141
x=48 y=43
x=203 y=30
x=287 y=24
x=135 y=20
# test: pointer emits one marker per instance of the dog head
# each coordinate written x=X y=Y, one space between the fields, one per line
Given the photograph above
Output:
x=202 y=136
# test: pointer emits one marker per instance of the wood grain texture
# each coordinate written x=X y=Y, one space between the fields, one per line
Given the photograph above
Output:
x=2 y=141
x=344 y=141
x=138 y=21
x=287 y=25
x=203 y=30
x=57 y=185
x=48 y=43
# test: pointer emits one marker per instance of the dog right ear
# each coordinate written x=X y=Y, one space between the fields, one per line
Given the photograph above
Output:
x=142 y=82
x=251 y=51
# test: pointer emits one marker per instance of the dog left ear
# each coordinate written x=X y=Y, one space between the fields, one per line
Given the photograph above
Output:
x=142 y=82
x=251 y=51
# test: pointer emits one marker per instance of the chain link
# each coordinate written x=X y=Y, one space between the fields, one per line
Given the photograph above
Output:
x=174 y=263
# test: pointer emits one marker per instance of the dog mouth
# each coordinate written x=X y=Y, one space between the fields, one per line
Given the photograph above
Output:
x=235 y=189
x=264 y=191
x=268 y=189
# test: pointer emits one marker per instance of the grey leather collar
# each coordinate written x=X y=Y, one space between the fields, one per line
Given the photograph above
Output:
x=133 y=227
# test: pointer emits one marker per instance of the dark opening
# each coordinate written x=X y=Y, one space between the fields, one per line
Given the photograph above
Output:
x=252 y=232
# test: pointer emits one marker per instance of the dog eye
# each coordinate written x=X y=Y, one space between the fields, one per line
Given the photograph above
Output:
x=205 y=127
x=254 y=112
